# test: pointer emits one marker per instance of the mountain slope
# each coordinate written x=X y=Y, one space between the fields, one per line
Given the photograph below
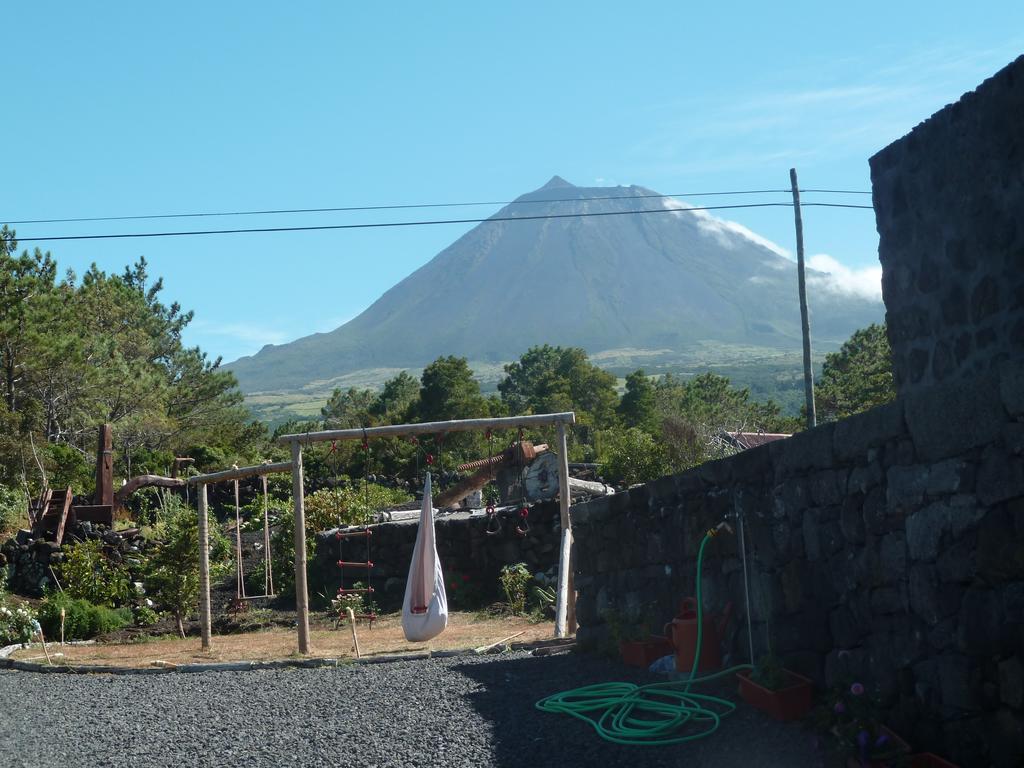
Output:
x=658 y=281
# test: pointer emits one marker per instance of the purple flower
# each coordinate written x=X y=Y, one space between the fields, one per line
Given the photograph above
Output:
x=857 y=689
x=839 y=708
x=881 y=740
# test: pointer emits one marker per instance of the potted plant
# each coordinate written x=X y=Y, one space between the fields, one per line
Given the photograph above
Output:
x=852 y=717
x=644 y=652
x=775 y=690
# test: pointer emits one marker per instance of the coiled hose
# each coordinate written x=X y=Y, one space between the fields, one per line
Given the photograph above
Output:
x=655 y=714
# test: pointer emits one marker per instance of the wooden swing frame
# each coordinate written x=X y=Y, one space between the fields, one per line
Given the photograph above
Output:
x=565 y=613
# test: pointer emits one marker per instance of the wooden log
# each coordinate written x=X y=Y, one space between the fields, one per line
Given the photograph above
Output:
x=434 y=427
x=301 y=591
x=463 y=488
x=204 y=569
x=239 y=473
x=144 y=481
x=589 y=487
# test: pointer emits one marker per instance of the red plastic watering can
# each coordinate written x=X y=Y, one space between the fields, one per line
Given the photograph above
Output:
x=682 y=630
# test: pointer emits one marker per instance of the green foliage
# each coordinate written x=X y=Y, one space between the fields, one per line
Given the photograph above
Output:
x=632 y=456
x=514 y=580
x=76 y=352
x=857 y=377
x=769 y=673
x=463 y=592
x=13 y=506
x=397 y=399
x=83 y=620
x=87 y=573
x=172 y=572
x=694 y=415
x=360 y=603
x=325 y=509
x=638 y=407
x=348 y=409
x=145 y=616
x=550 y=379
x=449 y=391
x=17 y=622
x=68 y=466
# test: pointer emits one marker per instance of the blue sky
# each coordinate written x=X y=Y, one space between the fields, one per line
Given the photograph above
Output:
x=138 y=108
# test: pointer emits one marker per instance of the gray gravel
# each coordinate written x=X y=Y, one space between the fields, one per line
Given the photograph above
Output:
x=462 y=711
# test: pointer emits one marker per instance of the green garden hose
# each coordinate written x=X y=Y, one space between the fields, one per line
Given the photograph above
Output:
x=655 y=714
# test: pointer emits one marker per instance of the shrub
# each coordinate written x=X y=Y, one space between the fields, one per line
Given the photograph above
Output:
x=145 y=616
x=17 y=623
x=172 y=572
x=87 y=573
x=12 y=507
x=514 y=580
x=82 y=620
x=633 y=456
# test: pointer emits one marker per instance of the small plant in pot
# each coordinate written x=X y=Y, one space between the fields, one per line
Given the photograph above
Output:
x=851 y=714
x=777 y=691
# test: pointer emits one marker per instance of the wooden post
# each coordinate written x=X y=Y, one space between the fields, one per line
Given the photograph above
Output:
x=204 y=569
x=565 y=610
x=301 y=592
x=105 y=467
x=805 y=323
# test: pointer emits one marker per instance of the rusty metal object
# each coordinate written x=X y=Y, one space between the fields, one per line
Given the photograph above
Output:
x=524 y=452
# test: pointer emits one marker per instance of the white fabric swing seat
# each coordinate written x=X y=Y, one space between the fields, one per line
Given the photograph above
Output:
x=425 y=608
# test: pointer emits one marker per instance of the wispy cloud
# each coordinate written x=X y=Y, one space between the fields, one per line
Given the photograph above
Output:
x=842 y=108
x=245 y=332
x=865 y=282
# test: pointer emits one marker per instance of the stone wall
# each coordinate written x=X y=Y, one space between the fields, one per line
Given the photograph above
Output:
x=888 y=545
x=949 y=202
x=469 y=556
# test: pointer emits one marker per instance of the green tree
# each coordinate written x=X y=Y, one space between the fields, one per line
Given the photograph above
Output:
x=857 y=377
x=550 y=379
x=397 y=399
x=449 y=391
x=638 y=407
x=348 y=409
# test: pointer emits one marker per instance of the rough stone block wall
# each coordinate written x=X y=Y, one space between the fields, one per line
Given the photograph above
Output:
x=889 y=546
x=464 y=547
x=949 y=202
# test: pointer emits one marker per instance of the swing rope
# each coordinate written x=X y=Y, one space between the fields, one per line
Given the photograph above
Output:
x=268 y=568
x=239 y=570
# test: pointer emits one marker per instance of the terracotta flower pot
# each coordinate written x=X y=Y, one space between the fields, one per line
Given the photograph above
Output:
x=643 y=653
x=791 y=702
x=929 y=760
x=898 y=744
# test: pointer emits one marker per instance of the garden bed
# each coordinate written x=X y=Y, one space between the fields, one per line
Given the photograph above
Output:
x=465 y=630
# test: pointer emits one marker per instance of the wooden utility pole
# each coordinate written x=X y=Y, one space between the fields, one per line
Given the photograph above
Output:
x=204 y=569
x=805 y=323
x=565 y=605
x=301 y=591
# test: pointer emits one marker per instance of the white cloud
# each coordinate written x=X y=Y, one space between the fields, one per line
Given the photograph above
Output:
x=865 y=283
x=724 y=230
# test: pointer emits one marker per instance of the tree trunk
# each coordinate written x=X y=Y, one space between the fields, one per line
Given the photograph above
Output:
x=181 y=626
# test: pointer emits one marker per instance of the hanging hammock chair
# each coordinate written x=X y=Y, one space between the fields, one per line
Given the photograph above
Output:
x=425 y=608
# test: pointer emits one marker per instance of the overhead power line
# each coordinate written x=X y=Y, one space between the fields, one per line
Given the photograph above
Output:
x=406 y=206
x=427 y=222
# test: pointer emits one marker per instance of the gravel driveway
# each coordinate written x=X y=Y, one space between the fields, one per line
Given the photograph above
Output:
x=460 y=711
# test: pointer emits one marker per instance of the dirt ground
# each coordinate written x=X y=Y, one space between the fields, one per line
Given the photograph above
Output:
x=465 y=630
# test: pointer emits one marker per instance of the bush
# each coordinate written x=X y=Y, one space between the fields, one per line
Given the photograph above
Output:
x=87 y=573
x=17 y=624
x=632 y=456
x=172 y=573
x=12 y=508
x=514 y=580
x=82 y=620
